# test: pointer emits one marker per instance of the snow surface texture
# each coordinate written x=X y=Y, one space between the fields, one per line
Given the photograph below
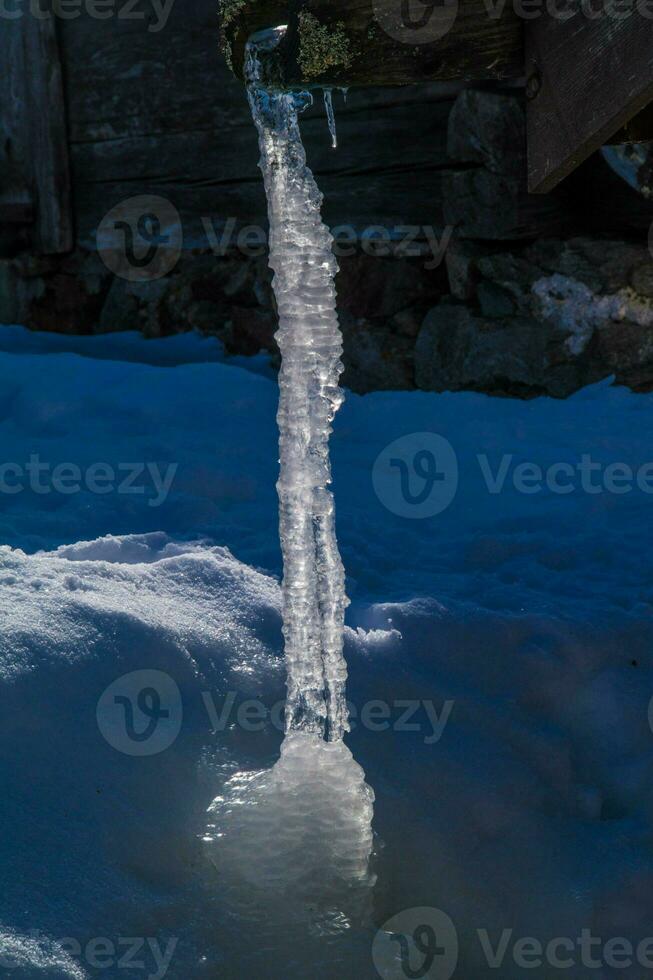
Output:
x=309 y=338
x=530 y=810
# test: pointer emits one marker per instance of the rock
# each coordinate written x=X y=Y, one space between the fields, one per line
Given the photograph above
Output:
x=489 y=129
x=11 y=309
x=545 y=317
x=249 y=331
x=516 y=356
x=120 y=310
x=642 y=279
x=552 y=318
x=489 y=199
x=482 y=204
x=375 y=358
x=495 y=300
x=370 y=287
x=626 y=349
x=462 y=272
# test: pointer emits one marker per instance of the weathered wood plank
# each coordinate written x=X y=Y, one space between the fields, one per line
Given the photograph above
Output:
x=380 y=42
x=47 y=135
x=246 y=202
x=15 y=197
x=136 y=130
x=14 y=212
x=586 y=78
x=366 y=181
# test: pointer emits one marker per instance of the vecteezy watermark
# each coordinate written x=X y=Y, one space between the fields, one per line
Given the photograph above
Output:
x=133 y=953
x=564 y=10
x=564 y=952
x=155 y=13
x=399 y=715
x=68 y=479
x=585 y=475
x=423 y=942
x=141 y=238
x=417 y=476
x=141 y=713
x=416 y=22
x=416 y=943
x=379 y=241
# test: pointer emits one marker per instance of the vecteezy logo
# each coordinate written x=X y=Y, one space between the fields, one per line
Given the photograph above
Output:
x=417 y=944
x=141 y=238
x=141 y=713
x=416 y=476
x=416 y=21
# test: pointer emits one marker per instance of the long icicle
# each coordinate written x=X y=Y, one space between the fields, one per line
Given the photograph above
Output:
x=311 y=346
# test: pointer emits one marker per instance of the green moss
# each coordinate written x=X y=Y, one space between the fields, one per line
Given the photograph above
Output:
x=229 y=10
x=228 y=13
x=321 y=47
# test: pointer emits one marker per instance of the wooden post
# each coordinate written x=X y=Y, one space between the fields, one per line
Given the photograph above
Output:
x=380 y=42
x=47 y=135
x=34 y=167
x=15 y=197
x=586 y=78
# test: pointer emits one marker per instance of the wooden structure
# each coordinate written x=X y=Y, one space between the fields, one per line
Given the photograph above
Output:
x=34 y=159
x=589 y=70
x=570 y=112
x=94 y=112
x=159 y=113
x=366 y=42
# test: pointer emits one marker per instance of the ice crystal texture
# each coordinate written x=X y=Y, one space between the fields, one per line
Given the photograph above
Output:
x=311 y=347
x=302 y=832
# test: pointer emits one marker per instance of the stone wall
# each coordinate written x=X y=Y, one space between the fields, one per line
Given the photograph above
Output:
x=541 y=318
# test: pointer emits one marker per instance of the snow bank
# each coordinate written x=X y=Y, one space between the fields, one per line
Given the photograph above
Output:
x=507 y=640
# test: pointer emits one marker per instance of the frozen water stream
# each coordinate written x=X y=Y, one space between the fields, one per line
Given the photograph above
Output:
x=293 y=844
x=311 y=346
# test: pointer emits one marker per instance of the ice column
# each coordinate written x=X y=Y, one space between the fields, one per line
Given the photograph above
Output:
x=311 y=347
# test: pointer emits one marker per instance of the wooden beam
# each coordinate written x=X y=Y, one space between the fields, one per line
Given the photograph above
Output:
x=639 y=129
x=46 y=134
x=15 y=213
x=586 y=78
x=366 y=42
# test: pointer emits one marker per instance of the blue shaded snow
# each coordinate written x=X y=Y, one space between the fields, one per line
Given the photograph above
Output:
x=529 y=612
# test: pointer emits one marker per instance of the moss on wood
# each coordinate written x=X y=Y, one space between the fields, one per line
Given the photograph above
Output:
x=322 y=47
x=228 y=11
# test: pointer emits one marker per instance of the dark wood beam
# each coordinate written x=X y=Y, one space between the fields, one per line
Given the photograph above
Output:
x=16 y=213
x=586 y=78
x=366 y=42
x=46 y=133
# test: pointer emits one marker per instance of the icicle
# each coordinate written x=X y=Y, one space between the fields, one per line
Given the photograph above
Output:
x=311 y=346
x=293 y=844
x=331 y=116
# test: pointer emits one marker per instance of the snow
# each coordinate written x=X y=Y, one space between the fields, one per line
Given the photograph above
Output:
x=517 y=626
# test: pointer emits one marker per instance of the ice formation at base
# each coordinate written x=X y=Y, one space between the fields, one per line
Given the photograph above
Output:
x=292 y=843
x=302 y=831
